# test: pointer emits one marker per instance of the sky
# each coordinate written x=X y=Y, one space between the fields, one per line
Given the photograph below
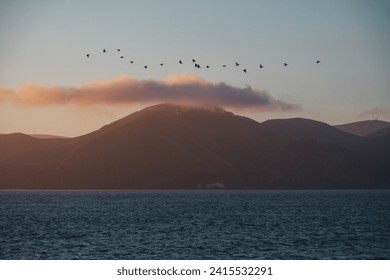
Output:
x=48 y=85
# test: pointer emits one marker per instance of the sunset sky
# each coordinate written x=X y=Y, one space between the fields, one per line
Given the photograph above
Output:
x=48 y=85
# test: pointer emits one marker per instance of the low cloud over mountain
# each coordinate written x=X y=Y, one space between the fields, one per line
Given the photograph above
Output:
x=187 y=89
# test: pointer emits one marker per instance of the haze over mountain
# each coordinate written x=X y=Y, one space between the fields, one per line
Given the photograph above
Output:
x=180 y=147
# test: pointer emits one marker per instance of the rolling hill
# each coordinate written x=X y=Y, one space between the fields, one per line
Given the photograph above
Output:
x=176 y=147
x=363 y=128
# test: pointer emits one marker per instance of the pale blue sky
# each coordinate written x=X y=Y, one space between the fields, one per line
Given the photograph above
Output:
x=45 y=42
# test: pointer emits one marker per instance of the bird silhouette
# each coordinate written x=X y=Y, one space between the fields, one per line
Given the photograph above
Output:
x=196 y=64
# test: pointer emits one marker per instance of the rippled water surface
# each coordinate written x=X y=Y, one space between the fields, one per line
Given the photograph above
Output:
x=195 y=225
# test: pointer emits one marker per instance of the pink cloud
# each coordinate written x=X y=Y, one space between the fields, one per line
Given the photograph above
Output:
x=126 y=90
x=5 y=94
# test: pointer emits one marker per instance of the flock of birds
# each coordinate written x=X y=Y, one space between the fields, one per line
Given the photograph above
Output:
x=196 y=65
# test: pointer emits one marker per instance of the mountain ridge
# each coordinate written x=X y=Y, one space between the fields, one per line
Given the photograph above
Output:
x=363 y=128
x=176 y=147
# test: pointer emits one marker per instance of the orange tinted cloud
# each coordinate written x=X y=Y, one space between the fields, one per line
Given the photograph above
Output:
x=5 y=94
x=125 y=90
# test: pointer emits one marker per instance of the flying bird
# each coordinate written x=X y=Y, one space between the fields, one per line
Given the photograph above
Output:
x=181 y=62
x=318 y=61
x=119 y=50
x=261 y=66
x=104 y=50
x=224 y=65
x=193 y=60
x=146 y=66
x=161 y=64
x=88 y=55
x=285 y=64
x=121 y=56
x=207 y=66
x=244 y=70
x=131 y=61
x=237 y=64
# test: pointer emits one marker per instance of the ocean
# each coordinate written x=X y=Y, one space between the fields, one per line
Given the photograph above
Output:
x=350 y=224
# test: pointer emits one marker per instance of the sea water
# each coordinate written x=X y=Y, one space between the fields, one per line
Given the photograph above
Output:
x=353 y=224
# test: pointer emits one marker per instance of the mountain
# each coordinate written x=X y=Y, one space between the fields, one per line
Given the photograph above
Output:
x=381 y=133
x=15 y=144
x=47 y=136
x=299 y=128
x=363 y=128
x=177 y=147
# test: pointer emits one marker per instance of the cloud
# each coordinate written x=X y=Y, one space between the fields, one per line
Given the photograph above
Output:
x=5 y=94
x=185 y=88
x=375 y=112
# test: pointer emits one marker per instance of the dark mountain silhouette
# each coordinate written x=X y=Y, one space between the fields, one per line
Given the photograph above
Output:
x=363 y=128
x=15 y=144
x=170 y=147
x=381 y=133
x=298 y=128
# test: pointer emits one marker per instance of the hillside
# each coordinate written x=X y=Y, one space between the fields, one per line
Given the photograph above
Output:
x=47 y=136
x=363 y=128
x=170 y=147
